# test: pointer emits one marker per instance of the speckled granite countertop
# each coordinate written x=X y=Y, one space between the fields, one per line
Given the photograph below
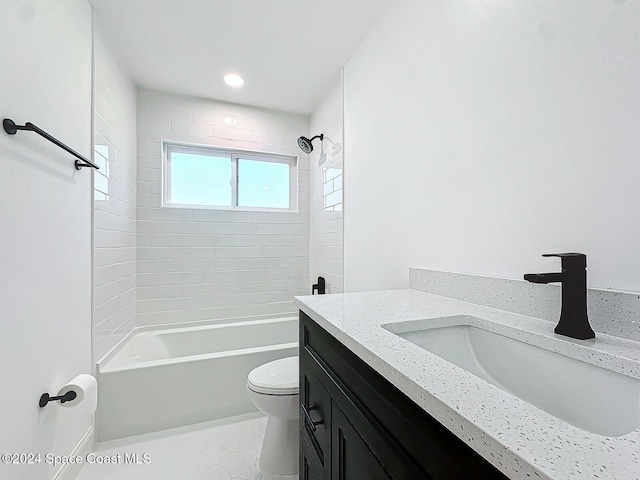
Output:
x=519 y=439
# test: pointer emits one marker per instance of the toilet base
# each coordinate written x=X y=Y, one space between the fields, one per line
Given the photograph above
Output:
x=268 y=476
x=279 y=454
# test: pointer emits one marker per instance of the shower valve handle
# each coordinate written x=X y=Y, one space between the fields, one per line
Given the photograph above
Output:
x=319 y=287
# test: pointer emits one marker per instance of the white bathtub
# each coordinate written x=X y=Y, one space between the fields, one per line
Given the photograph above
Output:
x=166 y=378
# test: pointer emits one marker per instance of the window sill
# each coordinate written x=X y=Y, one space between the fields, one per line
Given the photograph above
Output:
x=230 y=209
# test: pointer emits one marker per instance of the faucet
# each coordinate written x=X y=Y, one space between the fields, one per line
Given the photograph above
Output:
x=573 y=317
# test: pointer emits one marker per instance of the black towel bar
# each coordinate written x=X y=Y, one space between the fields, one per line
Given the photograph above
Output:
x=11 y=128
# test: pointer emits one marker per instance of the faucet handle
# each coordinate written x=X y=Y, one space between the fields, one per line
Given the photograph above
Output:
x=570 y=261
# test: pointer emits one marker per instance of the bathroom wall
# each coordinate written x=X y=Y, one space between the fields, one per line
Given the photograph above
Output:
x=326 y=165
x=203 y=264
x=45 y=246
x=480 y=135
x=114 y=274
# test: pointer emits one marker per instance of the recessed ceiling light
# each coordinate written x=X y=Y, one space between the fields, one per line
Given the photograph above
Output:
x=233 y=80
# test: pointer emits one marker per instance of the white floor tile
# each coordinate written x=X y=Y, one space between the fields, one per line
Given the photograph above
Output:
x=220 y=450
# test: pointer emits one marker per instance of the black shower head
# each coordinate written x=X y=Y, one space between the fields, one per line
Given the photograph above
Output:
x=305 y=143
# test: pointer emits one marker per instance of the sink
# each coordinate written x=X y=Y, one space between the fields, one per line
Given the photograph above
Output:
x=587 y=396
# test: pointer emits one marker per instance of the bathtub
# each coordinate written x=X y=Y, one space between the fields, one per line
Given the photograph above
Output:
x=165 y=378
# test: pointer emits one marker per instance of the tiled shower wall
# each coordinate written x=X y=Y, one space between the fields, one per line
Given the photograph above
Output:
x=326 y=167
x=204 y=264
x=114 y=274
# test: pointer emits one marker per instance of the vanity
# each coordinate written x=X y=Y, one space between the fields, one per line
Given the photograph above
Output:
x=392 y=386
x=356 y=425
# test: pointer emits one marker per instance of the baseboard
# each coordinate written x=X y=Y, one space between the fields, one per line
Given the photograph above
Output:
x=82 y=449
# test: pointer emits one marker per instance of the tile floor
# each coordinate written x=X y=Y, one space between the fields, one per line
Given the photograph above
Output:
x=220 y=450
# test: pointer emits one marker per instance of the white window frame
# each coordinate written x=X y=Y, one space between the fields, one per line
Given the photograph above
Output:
x=234 y=154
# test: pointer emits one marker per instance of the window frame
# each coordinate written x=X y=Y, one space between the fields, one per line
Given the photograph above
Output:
x=234 y=154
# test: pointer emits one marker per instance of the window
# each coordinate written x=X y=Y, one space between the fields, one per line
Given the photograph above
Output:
x=228 y=179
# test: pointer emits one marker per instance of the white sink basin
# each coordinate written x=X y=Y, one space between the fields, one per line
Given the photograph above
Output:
x=584 y=395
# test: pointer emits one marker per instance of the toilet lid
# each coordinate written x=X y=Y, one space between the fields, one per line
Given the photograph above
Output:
x=279 y=377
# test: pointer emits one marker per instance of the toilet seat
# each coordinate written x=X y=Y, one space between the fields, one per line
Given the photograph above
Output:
x=279 y=377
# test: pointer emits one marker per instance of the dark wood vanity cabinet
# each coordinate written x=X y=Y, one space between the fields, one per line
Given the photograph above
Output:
x=355 y=425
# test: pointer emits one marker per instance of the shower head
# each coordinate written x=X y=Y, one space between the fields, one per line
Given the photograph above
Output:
x=305 y=143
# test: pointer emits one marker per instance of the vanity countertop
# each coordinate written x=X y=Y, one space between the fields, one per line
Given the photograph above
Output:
x=519 y=439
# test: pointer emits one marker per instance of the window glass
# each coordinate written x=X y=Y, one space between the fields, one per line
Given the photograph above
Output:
x=199 y=179
x=263 y=184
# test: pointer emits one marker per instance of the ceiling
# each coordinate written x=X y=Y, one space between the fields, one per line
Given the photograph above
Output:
x=289 y=51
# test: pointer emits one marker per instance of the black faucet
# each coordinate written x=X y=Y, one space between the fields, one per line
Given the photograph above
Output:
x=573 y=317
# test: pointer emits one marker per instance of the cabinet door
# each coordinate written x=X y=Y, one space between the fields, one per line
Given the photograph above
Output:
x=308 y=470
x=351 y=458
x=315 y=414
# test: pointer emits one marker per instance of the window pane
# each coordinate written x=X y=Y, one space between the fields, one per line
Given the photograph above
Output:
x=263 y=184
x=198 y=179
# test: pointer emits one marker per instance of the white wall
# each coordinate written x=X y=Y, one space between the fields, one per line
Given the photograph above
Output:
x=114 y=274
x=325 y=168
x=200 y=264
x=45 y=210
x=480 y=135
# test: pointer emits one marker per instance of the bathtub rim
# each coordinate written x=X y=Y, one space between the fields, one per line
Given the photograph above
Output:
x=197 y=358
x=187 y=326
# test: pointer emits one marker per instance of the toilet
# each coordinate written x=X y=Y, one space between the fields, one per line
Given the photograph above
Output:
x=273 y=388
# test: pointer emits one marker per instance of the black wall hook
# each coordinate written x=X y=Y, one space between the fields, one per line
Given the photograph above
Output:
x=67 y=397
x=11 y=128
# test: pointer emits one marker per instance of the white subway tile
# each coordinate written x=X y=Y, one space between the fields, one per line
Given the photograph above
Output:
x=155 y=188
x=232 y=109
x=142 y=133
x=113 y=239
x=108 y=256
x=232 y=133
x=330 y=253
x=142 y=187
x=149 y=200
x=213 y=240
x=112 y=221
x=114 y=271
x=268 y=138
x=143 y=161
x=149 y=174
x=114 y=305
x=158 y=135
x=155 y=161
x=148 y=216
x=118 y=311
x=332 y=239
x=191 y=128
x=107 y=291
x=215 y=300
x=331 y=225
x=286 y=308
x=149 y=148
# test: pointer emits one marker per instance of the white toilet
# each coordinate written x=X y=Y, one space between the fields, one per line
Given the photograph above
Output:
x=273 y=388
